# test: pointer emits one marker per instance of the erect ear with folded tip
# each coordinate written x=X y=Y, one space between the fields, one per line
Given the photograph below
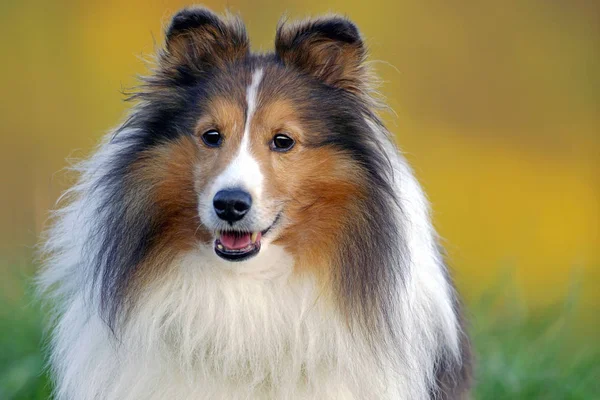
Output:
x=198 y=39
x=330 y=49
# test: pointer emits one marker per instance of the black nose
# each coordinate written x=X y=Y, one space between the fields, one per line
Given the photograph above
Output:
x=232 y=204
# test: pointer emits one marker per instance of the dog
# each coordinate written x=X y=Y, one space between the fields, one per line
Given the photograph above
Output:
x=250 y=231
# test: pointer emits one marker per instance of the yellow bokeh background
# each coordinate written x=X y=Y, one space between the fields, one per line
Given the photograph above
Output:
x=496 y=104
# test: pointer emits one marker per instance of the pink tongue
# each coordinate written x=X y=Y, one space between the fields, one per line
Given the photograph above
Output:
x=235 y=242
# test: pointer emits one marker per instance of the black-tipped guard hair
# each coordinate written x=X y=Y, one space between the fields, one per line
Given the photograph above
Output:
x=198 y=39
x=330 y=49
x=192 y=18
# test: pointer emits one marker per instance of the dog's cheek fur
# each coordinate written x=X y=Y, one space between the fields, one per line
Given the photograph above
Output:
x=167 y=172
x=161 y=188
x=317 y=187
x=322 y=191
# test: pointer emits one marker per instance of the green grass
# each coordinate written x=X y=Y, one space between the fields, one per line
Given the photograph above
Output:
x=21 y=361
x=520 y=355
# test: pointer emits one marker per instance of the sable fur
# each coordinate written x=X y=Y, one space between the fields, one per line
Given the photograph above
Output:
x=348 y=298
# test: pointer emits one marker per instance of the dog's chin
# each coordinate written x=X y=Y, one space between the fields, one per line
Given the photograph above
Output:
x=240 y=245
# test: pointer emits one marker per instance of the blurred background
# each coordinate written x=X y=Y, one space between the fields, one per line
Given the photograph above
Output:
x=496 y=104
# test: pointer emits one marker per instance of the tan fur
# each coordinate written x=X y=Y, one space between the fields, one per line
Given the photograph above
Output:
x=178 y=170
x=317 y=185
x=168 y=170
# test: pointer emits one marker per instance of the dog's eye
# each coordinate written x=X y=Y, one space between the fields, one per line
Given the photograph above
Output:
x=282 y=142
x=212 y=138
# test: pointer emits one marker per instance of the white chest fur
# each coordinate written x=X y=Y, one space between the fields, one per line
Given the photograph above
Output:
x=203 y=332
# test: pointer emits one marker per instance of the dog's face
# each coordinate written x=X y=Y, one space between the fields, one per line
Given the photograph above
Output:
x=265 y=148
x=261 y=175
x=248 y=147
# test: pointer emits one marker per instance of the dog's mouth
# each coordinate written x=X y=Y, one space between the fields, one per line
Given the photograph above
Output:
x=238 y=245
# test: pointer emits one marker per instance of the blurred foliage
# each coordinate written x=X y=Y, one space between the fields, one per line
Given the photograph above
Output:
x=532 y=354
x=22 y=372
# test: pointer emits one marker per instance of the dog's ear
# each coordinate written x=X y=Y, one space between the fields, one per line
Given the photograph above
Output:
x=198 y=38
x=329 y=48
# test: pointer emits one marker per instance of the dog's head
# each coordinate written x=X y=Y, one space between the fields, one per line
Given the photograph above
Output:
x=255 y=149
x=230 y=153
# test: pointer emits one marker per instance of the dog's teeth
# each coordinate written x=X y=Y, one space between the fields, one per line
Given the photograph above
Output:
x=253 y=237
x=220 y=246
x=218 y=235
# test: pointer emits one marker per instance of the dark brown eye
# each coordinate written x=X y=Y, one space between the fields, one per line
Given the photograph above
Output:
x=282 y=143
x=212 y=138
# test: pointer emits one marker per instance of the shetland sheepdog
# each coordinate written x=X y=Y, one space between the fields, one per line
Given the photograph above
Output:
x=250 y=231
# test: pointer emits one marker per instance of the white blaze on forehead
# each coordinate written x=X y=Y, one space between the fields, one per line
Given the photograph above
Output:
x=244 y=170
x=251 y=97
